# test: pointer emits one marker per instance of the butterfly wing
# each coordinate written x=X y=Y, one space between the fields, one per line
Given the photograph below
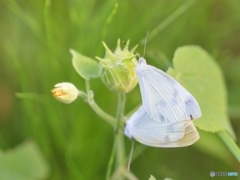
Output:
x=191 y=135
x=164 y=99
x=142 y=128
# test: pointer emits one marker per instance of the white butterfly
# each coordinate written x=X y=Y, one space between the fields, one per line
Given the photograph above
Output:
x=145 y=130
x=164 y=99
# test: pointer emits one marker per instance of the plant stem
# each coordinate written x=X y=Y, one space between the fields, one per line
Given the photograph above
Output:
x=89 y=97
x=110 y=162
x=121 y=105
x=120 y=147
x=108 y=118
x=87 y=84
x=226 y=138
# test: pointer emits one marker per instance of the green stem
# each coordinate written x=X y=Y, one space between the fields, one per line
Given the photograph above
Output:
x=137 y=151
x=120 y=156
x=87 y=84
x=110 y=162
x=120 y=147
x=108 y=118
x=121 y=105
x=83 y=95
x=232 y=146
x=89 y=97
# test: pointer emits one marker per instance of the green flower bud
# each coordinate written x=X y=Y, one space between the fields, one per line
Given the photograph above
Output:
x=117 y=69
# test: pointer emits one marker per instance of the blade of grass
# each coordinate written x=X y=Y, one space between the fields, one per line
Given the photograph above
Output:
x=28 y=19
x=183 y=8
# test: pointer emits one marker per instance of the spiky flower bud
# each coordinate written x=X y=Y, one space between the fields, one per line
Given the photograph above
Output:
x=65 y=92
x=117 y=69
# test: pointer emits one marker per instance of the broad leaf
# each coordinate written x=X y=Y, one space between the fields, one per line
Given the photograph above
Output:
x=198 y=72
x=85 y=66
x=23 y=162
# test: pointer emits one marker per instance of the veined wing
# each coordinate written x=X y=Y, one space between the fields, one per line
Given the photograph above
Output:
x=164 y=99
x=142 y=128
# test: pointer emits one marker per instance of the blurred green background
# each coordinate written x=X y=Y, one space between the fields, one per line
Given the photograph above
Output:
x=35 y=40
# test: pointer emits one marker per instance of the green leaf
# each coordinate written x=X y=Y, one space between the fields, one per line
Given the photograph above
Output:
x=198 y=72
x=23 y=162
x=152 y=178
x=85 y=66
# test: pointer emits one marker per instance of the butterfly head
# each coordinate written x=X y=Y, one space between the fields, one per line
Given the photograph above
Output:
x=128 y=130
x=142 y=61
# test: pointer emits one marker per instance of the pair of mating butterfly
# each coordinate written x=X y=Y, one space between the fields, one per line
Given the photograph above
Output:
x=164 y=119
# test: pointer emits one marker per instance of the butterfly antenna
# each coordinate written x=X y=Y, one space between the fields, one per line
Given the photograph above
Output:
x=145 y=44
x=130 y=156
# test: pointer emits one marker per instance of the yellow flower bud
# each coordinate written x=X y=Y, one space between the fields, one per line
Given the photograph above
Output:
x=65 y=92
x=117 y=69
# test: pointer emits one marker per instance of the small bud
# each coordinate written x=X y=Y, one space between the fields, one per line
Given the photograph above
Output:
x=65 y=92
x=117 y=69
